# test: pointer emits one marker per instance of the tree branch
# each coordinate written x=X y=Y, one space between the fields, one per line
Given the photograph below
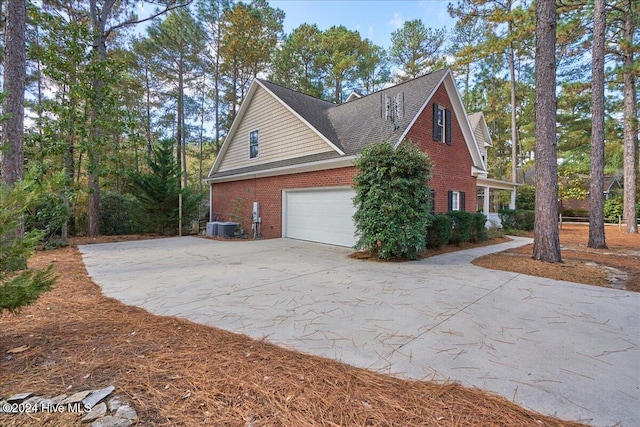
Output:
x=139 y=21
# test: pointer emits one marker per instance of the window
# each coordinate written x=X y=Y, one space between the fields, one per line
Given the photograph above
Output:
x=441 y=124
x=253 y=144
x=456 y=200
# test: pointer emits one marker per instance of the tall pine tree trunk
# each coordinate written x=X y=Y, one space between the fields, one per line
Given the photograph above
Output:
x=14 y=83
x=99 y=18
x=514 y=123
x=217 y=78
x=147 y=85
x=546 y=241
x=596 y=189
x=630 y=121
x=15 y=71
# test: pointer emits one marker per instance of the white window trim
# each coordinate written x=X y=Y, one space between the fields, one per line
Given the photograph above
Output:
x=455 y=200
x=257 y=132
x=442 y=124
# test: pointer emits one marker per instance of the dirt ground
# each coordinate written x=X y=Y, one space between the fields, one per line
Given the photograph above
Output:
x=177 y=373
x=616 y=267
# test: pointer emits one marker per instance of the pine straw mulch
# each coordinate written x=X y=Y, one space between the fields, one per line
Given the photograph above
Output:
x=178 y=373
x=616 y=267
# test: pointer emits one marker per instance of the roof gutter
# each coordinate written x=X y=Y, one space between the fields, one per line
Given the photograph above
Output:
x=286 y=170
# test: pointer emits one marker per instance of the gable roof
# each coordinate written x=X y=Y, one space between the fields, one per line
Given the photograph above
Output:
x=361 y=121
x=478 y=123
x=351 y=126
x=611 y=183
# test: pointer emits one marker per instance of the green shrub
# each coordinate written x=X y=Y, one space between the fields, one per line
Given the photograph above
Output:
x=526 y=197
x=116 y=214
x=517 y=219
x=392 y=200
x=461 y=227
x=613 y=208
x=438 y=232
x=48 y=215
x=479 y=228
x=20 y=286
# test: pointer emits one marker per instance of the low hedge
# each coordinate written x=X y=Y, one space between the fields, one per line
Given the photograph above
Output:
x=517 y=219
x=439 y=231
x=461 y=227
x=479 y=228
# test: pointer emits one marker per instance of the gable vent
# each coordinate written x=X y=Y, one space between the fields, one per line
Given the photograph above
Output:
x=392 y=108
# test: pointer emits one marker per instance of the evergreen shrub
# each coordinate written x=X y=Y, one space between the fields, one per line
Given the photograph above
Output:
x=392 y=200
x=461 y=227
x=517 y=219
x=117 y=213
x=479 y=228
x=439 y=231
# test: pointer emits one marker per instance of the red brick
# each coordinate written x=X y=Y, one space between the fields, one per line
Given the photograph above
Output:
x=451 y=171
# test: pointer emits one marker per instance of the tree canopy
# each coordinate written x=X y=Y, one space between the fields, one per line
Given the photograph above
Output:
x=102 y=90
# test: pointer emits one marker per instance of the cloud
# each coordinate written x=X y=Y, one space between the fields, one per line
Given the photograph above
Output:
x=397 y=21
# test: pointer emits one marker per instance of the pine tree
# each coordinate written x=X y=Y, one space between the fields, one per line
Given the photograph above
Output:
x=14 y=78
x=596 y=195
x=158 y=192
x=416 y=49
x=19 y=286
x=546 y=241
x=297 y=62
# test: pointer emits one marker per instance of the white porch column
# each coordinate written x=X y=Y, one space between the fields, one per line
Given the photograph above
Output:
x=485 y=208
x=512 y=202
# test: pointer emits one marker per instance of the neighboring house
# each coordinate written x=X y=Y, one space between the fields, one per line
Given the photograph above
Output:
x=612 y=188
x=293 y=154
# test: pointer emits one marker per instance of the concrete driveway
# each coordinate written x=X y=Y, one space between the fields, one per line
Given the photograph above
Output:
x=556 y=347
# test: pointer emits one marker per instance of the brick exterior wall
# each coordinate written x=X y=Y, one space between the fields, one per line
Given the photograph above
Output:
x=452 y=164
x=239 y=196
x=451 y=171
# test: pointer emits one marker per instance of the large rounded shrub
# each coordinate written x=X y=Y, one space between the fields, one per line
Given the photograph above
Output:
x=392 y=200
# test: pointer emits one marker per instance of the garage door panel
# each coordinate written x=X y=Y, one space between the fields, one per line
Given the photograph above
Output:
x=320 y=215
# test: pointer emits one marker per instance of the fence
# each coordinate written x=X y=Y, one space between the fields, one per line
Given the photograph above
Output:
x=585 y=220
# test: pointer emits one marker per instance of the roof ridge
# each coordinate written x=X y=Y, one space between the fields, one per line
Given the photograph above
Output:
x=413 y=80
x=296 y=91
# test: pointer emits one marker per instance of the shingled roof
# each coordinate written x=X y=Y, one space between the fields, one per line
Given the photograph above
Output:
x=353 y=125
x=313 y=110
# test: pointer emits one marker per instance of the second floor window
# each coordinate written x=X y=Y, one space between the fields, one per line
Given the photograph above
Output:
x=253 y=144
x=441 y=124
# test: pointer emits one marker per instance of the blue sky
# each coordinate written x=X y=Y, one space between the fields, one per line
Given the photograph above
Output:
x=375 y=20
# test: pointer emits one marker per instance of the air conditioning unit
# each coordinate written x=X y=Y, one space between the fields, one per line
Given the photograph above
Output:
x=212 y=228
x=227 y=229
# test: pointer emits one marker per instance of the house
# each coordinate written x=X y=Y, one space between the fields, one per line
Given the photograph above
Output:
x=291 y=156
x=612 y=188
x=488 y=198
x=572 y=206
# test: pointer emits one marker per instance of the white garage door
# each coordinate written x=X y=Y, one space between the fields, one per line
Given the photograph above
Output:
x=319 y=215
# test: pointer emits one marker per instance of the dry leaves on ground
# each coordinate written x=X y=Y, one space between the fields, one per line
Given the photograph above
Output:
x=616 y=267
